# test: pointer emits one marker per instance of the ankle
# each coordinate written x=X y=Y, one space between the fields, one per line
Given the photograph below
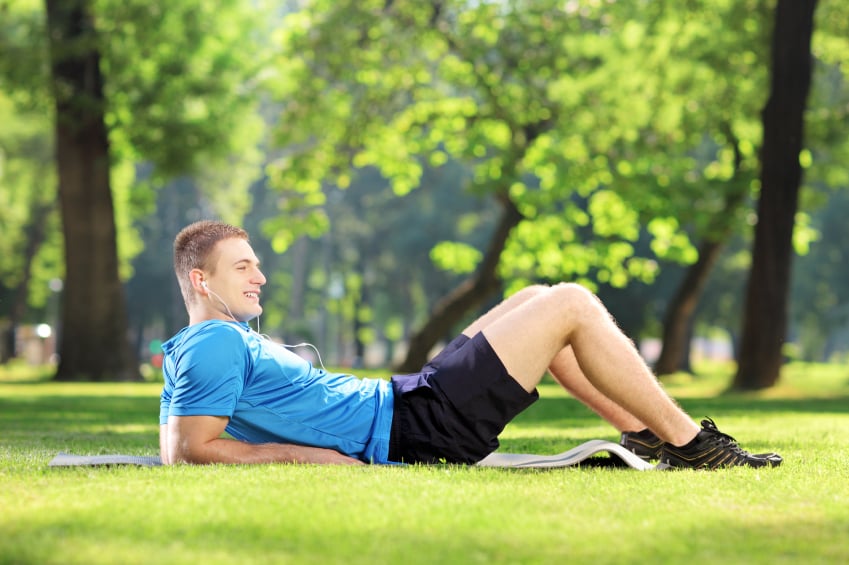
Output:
x=688 y=443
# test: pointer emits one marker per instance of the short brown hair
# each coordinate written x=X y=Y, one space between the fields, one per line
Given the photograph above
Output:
x=193 y=247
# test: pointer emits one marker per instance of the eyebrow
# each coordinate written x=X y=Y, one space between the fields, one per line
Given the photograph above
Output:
x=249 y=261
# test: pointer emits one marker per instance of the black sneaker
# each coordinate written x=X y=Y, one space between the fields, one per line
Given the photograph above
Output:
x=712 y=449
x=644 y=444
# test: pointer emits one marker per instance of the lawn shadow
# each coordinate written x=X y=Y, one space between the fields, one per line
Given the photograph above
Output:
x=83 y=423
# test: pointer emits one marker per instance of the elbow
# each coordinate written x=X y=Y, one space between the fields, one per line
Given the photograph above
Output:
x=183 y=452
x=177 y=448
x=193 y=440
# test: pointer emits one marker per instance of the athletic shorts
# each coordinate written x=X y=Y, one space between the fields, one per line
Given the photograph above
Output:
x=455 y=408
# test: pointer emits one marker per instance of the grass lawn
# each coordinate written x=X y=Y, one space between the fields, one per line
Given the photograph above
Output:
x=798 y=513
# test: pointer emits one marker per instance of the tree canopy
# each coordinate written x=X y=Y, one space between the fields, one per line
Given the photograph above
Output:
x=586 y=124
x=490 y=144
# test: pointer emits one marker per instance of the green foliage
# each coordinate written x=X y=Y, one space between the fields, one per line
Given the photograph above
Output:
x=621 y=131
x=27 y=197
x=23 y=55
x=455 y=257
x=182 y=82
x=827 y=119
x=820 y=295
x=24 y=136
x=369 y=264
x=630 y=108
x=182 y=88
x=668 y=241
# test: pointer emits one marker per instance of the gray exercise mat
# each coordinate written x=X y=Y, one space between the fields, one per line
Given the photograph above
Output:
x=574 y=456
x=71 y=460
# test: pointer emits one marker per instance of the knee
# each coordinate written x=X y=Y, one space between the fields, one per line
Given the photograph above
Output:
x=577 y=298
x=531 y=291
x=573 y=290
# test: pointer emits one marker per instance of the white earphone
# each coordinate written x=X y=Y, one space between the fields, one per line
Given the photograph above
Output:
x=313 y=347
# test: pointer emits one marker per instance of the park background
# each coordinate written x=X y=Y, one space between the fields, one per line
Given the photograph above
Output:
x=401 y=166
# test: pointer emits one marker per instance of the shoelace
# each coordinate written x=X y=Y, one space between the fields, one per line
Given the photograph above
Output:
x=709 y=425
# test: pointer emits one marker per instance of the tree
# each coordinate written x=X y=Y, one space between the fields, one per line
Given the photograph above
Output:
x=523 y=94
x=28 y=211
x=765 y=313
x=730 y=62
x=393 y=85
x=171 y=85
x=94 y=316
x=369 y=278
x=680 y=312
x=747 y=38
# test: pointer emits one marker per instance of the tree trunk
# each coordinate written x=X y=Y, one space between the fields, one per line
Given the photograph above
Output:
x=679 y=313
x=765 y=312
x=678 y=324
x=471 y=293
x=93 y=343
x=688 y=348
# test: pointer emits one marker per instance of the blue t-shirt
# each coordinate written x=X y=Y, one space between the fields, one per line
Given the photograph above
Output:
x=219 y=368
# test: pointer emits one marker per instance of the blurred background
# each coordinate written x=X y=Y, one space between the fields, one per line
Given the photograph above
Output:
x=402 y=166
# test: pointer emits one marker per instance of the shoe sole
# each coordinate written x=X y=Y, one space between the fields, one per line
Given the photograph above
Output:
x=774 y=458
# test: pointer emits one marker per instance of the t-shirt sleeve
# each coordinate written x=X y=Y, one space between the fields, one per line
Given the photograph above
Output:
x=209 y=374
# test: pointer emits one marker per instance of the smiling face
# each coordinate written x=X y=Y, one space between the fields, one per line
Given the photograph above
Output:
x=232 y=285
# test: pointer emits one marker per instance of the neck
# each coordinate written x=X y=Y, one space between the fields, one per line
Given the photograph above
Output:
x=199 y=315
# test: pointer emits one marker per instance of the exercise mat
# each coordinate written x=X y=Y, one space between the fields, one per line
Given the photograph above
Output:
x=584 y=454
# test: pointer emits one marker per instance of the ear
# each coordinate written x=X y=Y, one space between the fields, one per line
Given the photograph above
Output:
x=197 y=278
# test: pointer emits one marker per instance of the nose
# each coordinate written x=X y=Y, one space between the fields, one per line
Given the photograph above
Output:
x=259 y=278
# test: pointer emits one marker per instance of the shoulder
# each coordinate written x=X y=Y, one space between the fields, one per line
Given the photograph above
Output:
x=210 y=334
x=208 y=344
x=213 y=352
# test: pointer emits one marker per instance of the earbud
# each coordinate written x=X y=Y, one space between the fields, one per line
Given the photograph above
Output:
x=218 y=298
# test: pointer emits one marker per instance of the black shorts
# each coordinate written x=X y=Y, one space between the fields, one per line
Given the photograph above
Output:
x=455 y=408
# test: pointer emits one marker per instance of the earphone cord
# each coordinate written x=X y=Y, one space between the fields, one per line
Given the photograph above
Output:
x=221 y=300
x=297 y=345
x=304 y=344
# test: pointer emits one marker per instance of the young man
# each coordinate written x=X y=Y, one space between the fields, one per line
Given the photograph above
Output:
x=222 y=376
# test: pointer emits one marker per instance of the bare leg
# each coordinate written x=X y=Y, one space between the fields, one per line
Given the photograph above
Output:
x=530 y=333
x=567 y=372
x=564 y=368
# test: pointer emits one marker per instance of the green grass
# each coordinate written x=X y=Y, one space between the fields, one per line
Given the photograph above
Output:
x=798 y=513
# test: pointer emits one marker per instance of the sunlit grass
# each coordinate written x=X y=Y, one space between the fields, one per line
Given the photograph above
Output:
x=438 y=514
x=18 y=371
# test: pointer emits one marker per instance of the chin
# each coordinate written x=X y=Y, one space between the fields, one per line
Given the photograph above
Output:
x=248 y=316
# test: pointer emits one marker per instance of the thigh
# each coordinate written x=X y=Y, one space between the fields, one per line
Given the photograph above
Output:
x=501 y=309
x=528 y=337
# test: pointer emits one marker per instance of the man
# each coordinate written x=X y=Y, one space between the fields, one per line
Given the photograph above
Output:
x=222 y=376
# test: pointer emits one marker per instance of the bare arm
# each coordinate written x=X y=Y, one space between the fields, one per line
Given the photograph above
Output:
x=196 y=439
x=163 y=444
